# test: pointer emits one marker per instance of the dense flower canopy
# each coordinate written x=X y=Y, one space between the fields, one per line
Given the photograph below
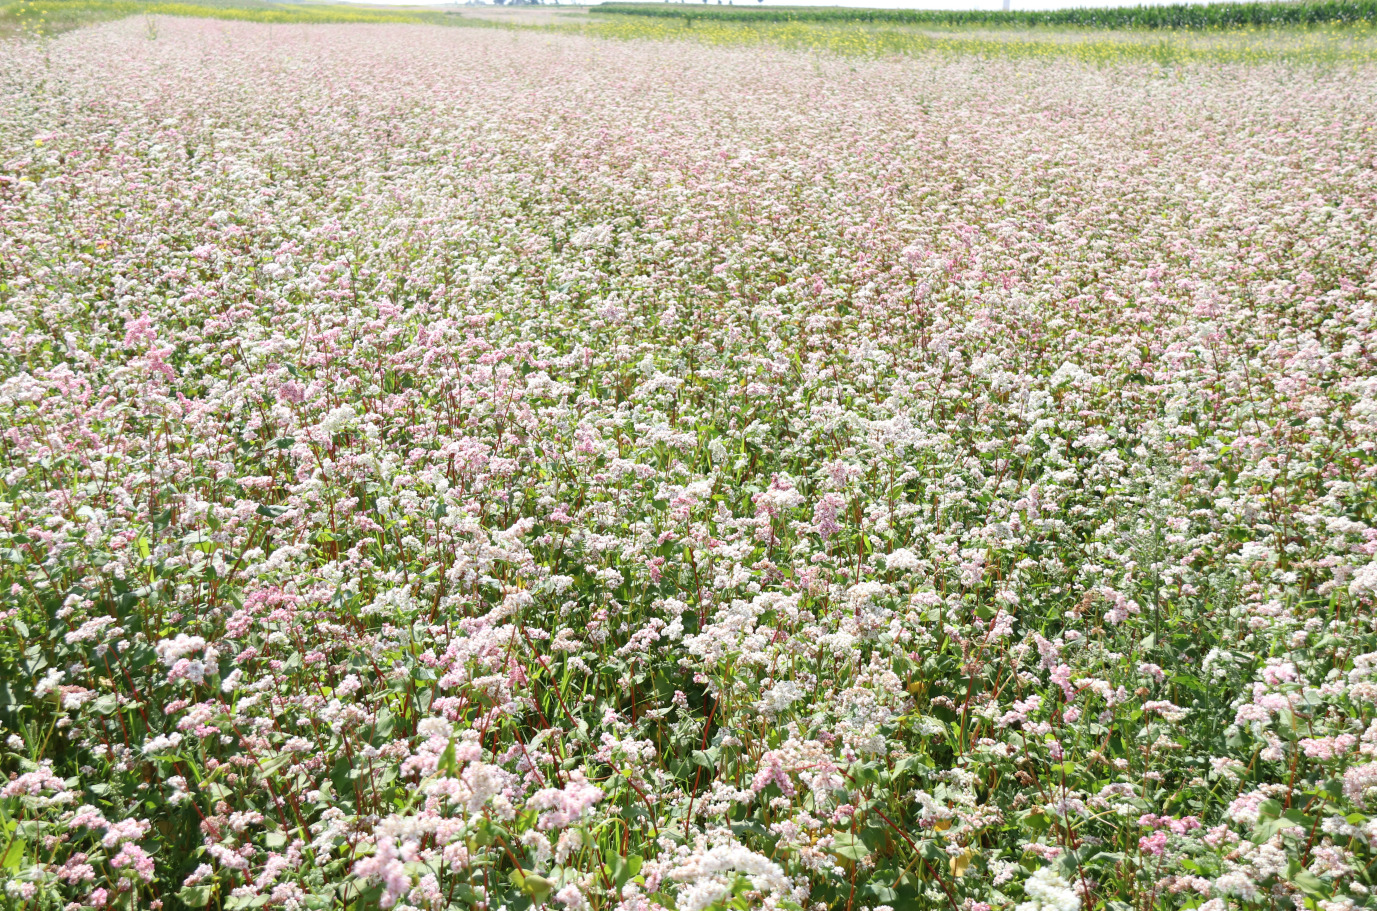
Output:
x=458 y=468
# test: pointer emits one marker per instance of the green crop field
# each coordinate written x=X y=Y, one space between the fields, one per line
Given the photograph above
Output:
x=1175 y=16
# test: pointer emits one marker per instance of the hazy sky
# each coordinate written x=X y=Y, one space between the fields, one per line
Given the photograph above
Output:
x=899 y=4
x=949 y=4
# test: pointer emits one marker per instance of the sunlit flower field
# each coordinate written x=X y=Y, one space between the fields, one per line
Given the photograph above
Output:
x=458 y=468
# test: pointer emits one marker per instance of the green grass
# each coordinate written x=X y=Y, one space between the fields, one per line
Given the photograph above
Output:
x=45 y=17
x=1176 y=16
x=1326 y=44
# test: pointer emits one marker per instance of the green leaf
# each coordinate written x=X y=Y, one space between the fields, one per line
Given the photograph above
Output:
x=881 y=892
x=199 y=541
x=616 y=867
x=863 y=773
x=483 y=833
x=272 y=765
x=931 y=851
x=1310 y=884
x=750 y=827
x=909 y=765
x=1296 y=817
x=196 y=896
x=1266 y=828
x=383 y=728
x=448 y=764
x=14 y=854
x=536 y=886
x=849 y=846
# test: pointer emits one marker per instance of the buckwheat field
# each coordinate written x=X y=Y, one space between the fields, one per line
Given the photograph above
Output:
x=449 y=468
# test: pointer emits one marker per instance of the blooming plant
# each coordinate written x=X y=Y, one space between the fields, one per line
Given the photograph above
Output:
x=469 y=469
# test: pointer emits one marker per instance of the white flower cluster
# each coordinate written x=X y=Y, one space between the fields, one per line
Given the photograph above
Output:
x=1048 y=891
x=708 y=876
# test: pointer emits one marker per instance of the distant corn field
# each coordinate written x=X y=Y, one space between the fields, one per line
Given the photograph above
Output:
x=1176 y=16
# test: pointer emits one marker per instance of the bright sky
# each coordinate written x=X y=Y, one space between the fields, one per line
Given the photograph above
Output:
x=884 y=4
x=951 y=4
